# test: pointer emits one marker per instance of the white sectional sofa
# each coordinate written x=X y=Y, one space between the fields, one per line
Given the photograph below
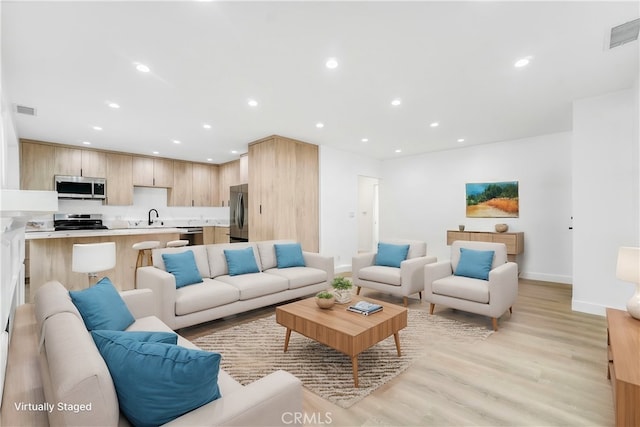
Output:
x=221 y=294
x=75 y=375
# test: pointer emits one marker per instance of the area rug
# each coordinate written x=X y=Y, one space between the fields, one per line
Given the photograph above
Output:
x=255 y=349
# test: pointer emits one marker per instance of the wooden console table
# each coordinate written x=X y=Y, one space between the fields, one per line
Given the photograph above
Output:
x=623 y=339
x=513 y=241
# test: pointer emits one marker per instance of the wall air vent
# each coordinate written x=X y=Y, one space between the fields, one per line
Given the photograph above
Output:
x=624 y=33
x=29 y=111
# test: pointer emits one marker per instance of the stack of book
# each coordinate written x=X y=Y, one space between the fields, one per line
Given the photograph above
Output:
x=365 y=308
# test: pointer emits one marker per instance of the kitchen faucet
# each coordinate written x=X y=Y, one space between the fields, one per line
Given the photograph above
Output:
x=157 y=215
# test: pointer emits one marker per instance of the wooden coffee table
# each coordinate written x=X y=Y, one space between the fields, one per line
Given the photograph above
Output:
x=347 y=332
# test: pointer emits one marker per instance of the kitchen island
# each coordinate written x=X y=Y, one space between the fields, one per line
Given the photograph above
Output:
x=50 y=255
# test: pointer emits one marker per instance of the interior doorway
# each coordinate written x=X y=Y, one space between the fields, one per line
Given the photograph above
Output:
x=368 y=213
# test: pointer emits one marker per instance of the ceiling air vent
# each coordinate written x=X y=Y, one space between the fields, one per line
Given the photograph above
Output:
x=29 y=111
x=624 y=33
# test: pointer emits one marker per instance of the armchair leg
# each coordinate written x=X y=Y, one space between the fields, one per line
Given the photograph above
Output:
x=431 y=307
x=405 y=300
x=494 y=322
x=420 y=295
x=358 y=291
x=510 y=310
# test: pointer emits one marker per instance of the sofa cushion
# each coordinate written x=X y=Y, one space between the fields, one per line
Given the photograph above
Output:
x=102 y=307
x=256 y=284
x=382 y=274
x=460 y=287
x=289 y=255
x=474 y=264
x=267 y=252
x=183 y=266
x=299 y=277
x=218 y=261
x=146 y=336
x=241 y=261
x=211 y=293
x=199 y=253
x=391 y=255
x=158 y=382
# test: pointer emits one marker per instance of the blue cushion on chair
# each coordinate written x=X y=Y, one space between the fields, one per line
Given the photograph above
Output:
x=183 y=266
x=102 y=307
x=474 y=264
x=391 y=255
x=158 y=382
x=289 y=255
x=241 y=261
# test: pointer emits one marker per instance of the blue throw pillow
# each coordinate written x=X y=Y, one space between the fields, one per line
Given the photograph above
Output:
x=102 y=307
x=391 y=255
x=146 y=336
x=289 y=255
x=183 y=266
x=474 y=264
x=241 y=261
x=158 y=382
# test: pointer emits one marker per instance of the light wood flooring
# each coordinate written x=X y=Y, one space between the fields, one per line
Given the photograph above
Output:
x=546 y=366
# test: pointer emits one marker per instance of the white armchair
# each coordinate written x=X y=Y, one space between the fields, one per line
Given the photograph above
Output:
x=406 y=280
x=492 y=297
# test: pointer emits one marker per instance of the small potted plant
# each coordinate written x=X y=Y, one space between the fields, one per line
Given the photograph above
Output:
x=342 y=289
x=325 y=299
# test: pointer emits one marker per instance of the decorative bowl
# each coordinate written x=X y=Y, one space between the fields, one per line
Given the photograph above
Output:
x=325 y=302
x=501 y=228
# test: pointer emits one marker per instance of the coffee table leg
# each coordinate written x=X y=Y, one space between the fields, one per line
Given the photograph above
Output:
x=354 y=365
x=396 y=337
x=286 y=340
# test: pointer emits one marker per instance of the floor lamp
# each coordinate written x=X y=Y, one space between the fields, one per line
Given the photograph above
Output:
x=92 y=258
x=628 y=270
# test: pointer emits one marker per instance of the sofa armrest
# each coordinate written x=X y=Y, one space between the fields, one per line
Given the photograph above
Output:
x=270 y=401
x=163 y=285
x=321 y=262
x=361 y=261
x=140 y=302
x=503 y=288
x=412 y=274
x=435 y=271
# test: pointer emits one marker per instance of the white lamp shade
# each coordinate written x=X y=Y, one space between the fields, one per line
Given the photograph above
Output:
x=93 y=257
x=628 y=268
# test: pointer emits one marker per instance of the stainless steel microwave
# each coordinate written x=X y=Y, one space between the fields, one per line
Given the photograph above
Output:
x=80 y=187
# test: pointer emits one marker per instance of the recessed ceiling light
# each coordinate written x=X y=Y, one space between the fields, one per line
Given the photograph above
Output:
x=332 y=63
x=398 y=151
x=86 y=142
x=522 y=62
x=234 y=151
x=155 y=152
x=209 y=160
x=142 y=68
x=365 y=140
x=319 y=125
x=434 y=124
x=252 y=103
x=175 y=141
x=396 y=102
x=113 y=105
x=206 y=126
x=460 y=139
x=97 y=128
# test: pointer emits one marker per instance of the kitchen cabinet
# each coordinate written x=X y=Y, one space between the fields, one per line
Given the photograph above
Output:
x=215 y=234
x=37 y=162
x=119 y=179
x=181 y=193
x=244 y=169
x=194 y=184
x=283 y=191
x=150 y=172
x=229 y=174
x=78 y=162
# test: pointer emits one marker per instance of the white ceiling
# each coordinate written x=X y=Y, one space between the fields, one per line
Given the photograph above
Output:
x=450 y=62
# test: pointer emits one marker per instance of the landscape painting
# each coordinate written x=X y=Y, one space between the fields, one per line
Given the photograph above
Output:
x=492 y=200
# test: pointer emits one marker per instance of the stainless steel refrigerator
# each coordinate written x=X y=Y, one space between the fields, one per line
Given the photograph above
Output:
x=239 y=211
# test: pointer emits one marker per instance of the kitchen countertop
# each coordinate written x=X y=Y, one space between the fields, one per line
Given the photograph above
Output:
x=34 y=235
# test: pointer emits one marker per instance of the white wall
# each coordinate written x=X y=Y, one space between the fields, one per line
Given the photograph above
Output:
x=366 y=214
x=339 y=171
x=606 y=195
x=422 y=197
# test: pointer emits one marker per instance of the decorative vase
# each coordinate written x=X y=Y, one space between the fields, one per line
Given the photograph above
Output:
x=461 y=227
x=343 y=296
x=325 y=302
x=501 y=228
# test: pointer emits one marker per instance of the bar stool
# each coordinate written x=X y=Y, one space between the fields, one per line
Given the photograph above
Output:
x=144 y=250
x=177 y=243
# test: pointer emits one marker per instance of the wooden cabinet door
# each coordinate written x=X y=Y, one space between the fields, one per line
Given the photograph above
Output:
x=181 y=192
x=229 y=174
x=221 y=235
x=93 y=164
x=202 y=183
x=163 y=173
x=37 y=163
x=262 y=171
x=244 y=169
x=142 y=171
x=119 y=179
x=68 y=161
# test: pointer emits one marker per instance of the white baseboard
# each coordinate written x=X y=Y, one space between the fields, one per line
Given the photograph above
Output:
x=588 y=307
x=543 y=277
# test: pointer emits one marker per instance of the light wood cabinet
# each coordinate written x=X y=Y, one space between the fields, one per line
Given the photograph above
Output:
x=150 y=172
x=182 y=191
x=229 y=174
x=78 y=162
x=194 y=184
x=623 y=339
x=283 y=191
x=244 y=169
x=513 y=241
x=37 y=163
x=119 y=179
x=215 y=234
